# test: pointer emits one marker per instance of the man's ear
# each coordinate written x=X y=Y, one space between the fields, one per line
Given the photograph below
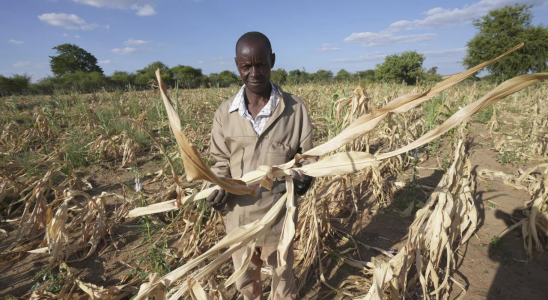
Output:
x=273 y=60
x=236 y=61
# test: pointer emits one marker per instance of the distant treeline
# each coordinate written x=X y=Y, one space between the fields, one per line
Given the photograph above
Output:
x=184 y=77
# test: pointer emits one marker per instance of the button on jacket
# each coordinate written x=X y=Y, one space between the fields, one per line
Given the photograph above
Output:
x=237 y=149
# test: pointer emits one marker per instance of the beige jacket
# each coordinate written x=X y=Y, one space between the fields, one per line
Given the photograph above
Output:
x=236 y=149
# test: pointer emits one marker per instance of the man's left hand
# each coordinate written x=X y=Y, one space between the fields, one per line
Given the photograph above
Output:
x=301 y=181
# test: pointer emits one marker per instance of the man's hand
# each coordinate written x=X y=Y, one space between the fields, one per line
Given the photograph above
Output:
x=218 y=199
x=301 y=181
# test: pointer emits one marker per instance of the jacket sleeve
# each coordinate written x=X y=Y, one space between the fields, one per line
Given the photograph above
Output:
x=218 y=149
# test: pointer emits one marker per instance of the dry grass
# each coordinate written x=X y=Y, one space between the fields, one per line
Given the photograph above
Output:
x=47 y=143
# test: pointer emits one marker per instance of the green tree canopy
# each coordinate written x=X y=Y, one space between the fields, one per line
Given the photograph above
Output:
x=214 y=80
x=432 y=71
x=144 y=75
x=406 y=66
x=84 y=81
x=227 y=78
x=123 y=76
x=15 y=84
x=322 y=76
x=342 y=76
x=502 y=29
x=71 y=58
x=187 y=76
x=366 y=76
x=297 y=77
x=432 y=75
x=278 y=76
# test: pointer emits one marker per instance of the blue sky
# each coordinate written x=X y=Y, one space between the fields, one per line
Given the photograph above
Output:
x=353 y=35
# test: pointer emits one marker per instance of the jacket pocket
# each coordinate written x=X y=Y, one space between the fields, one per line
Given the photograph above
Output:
x=277 y=154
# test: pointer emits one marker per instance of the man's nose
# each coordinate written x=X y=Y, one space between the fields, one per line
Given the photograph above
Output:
x=254 y=71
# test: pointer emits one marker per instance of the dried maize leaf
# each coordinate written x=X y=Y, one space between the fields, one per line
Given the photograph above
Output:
x=158 y=293
x=401 y=104
x=55 y=231
x=194 y=166
x=236 y=239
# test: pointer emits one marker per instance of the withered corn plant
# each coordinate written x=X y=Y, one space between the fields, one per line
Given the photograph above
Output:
x=534 y=227
x=423 y=268
x=450 y=219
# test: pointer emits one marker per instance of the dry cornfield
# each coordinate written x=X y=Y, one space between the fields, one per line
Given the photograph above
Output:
x=95 y=201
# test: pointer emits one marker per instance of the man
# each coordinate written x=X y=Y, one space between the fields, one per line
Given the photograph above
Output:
x=260 y=125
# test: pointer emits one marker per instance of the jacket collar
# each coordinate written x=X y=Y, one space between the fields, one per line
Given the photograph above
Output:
x=238 y=103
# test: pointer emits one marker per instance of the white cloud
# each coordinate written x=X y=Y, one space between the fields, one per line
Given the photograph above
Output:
x=107 y=26
x=105 y=62
x=440 y=17
x=445 y=52
x=142 y=7
x=370 y=39
x=136 y=42
x=71 y=21
x=123 y=51
x=77 y=36
x=326 y=44
x=16 y=42
x=435 y=18
x=145 y=10
x=327 y=49
x=222 y=63
x=200 y=61
x=64 y=34
x=366 y=57
x=29 y=64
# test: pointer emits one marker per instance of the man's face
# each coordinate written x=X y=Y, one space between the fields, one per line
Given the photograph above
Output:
x=254 y=62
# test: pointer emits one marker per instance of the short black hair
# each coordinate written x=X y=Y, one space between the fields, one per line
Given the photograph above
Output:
x=254 y=36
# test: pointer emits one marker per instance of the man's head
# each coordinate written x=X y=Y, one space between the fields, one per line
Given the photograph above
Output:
x=254 y=60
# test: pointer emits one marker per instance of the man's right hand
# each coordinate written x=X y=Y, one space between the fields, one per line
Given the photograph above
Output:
x=218 y=199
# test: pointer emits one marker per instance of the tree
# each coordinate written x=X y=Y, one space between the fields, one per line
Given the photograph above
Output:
x=84 y=82
x=342 y=76
x=432 y=75
x=432 y=71
x=323 y=76
x=214 y=80
x=15 y=84
x=406 y=66
x=227 y=78
x=188 y=76
x=502 y=29
x=122 y=78
x=278 y=76
x=71 y=59
x=144 y=75
x=297 y=77
x=365 y=76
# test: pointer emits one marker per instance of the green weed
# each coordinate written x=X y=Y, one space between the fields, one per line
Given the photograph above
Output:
x=50 y=280
x=507 y=157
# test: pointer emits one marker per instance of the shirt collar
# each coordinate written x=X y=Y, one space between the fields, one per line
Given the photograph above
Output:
x=238 y=104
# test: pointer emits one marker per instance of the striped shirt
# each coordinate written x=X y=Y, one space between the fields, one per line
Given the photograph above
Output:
x=258 y=124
